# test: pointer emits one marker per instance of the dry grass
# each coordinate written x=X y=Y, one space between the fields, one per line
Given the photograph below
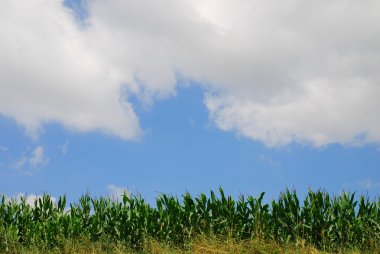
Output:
x=213 y=245
x=200 y=245
x=217 y=246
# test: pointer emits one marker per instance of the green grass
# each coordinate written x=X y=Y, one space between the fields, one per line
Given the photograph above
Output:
x=214 y=223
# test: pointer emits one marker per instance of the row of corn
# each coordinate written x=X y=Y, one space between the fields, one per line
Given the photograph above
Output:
x=326 y=222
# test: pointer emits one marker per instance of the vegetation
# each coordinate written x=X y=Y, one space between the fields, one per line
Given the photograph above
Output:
x=322 y=222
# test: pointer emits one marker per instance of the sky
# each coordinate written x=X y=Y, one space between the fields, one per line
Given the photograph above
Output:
x=168 y=96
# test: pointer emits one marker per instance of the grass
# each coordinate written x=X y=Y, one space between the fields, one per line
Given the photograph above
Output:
x=199 y=245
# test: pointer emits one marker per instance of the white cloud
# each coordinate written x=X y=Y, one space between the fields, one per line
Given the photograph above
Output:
x=50 y=71
x=29 y=198
x=20 y=163
x=117 y=192
x=312 y=77
x=64 y=148
x=368 y=184
x=269 y=161
x=277 y=72
x=38 y=157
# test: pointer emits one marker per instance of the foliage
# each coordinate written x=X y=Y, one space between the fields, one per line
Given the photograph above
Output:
x=325 y=222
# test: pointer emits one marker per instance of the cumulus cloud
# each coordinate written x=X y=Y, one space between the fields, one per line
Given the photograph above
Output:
x=117 y=192
x=49 y=72
x=312 y=75
x=367 y=184
x=20 y=163
x=64 y=148
x=30 y=199
x=269 y=161
x=277 y=72
x=38 y=157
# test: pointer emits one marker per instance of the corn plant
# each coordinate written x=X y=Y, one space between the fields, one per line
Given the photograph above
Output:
x=327 y=222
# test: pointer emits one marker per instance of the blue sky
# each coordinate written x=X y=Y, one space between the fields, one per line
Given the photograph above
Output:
x=181 y=151
x=197 y=127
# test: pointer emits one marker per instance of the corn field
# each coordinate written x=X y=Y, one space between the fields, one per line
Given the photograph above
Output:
x=326 y=222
